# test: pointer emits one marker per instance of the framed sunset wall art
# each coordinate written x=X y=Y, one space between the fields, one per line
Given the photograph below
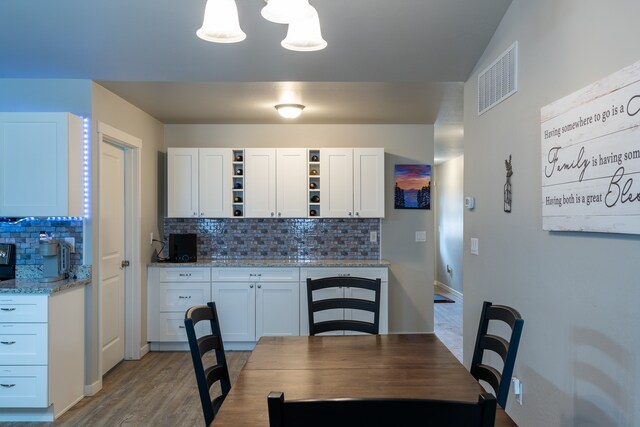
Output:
x=412 y=187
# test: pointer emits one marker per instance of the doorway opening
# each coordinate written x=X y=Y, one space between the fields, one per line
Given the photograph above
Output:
x=129 y=146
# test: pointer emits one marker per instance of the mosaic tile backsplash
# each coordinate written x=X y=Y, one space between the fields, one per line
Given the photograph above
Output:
x=26 y=236
x=313 y=239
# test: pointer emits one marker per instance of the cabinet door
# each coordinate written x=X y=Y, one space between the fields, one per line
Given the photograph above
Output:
x=358 y=314
x=337 y=182
x=235 y=303
x=214 y=170
x=291 y=182
x=277 y=309
x=41 y=164
x=260 y=183
x=368 y=182
x=182 y=182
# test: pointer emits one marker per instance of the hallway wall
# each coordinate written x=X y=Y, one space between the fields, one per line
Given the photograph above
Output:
x=578 y=292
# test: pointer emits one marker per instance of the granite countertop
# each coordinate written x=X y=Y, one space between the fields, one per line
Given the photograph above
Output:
x=34 y=286
x=276 y=263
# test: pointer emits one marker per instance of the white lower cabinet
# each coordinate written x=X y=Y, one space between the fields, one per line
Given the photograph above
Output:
x=170 y=292
x=256 y=302
x=366 y=272
x=42 y=354
x=252 y=302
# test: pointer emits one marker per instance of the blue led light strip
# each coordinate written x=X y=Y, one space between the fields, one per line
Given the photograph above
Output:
x=85 y=165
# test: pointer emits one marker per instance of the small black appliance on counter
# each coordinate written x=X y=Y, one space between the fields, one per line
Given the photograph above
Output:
x=7 y=261
x=183 y=247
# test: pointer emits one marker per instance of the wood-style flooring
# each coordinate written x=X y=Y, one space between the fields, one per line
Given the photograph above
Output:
x=447 y=319
x=160 y=389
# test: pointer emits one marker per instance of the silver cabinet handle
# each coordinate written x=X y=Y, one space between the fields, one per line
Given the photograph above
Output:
x=7 y=342
x=180 y=326
x=350 y=214
x=7 y=385
x=251 y=286
x=184 y=297
x=357 y=213
x=279 y=213
x=8 y=309
x=184 y=274
x=344 y=275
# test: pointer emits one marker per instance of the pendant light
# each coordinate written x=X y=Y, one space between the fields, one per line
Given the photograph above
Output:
x=286 y=11
x=221 y=24
x=304 y=34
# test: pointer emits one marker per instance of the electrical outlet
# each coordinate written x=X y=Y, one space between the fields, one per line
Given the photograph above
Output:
x=421 y=236
x=71 y=241
x=517 y=389
x=151 y=239
x=373 y=236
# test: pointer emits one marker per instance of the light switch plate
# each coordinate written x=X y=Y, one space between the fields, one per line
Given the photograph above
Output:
x=421 y=236
x=474 y=246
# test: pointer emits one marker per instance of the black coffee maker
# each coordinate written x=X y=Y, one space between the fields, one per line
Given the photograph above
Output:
x=7 y=261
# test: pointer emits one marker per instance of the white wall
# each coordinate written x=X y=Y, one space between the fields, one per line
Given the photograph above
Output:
x=578 y=292
x=449 y=221
x=412 y=270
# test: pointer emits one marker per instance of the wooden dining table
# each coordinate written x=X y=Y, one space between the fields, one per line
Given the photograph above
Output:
x=353 y=366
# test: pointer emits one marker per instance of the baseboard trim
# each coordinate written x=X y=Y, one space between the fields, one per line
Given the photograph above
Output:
x=144 y=350
x=92 y=389
x=449 y=289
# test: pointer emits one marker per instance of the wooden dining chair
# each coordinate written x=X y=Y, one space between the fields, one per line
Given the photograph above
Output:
x=345 y=301
x=380 y=412
x=506 y=349
x=207 y=369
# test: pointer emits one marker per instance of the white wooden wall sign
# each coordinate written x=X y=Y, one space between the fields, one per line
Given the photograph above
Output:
x=591 y=157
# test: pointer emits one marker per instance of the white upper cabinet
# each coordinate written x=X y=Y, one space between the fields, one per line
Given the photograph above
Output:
x=260 y=182
x=291 y=179
x=199 y=182
x=275 y=183
x=352 y=182
x=214 y=193
x=368 y=182
x=182 y=182
x=41 y=165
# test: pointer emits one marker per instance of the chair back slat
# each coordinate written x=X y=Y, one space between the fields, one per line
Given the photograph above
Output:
x=507 y=349
x=215 y=371
x=380 y=412
x=345 y=303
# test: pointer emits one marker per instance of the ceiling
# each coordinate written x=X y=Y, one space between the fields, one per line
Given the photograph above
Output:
x=387 y=61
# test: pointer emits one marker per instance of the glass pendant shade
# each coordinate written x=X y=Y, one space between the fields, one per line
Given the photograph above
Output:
x=221 y=24
x=290 y=111
x=286 y=11
x=304 y=34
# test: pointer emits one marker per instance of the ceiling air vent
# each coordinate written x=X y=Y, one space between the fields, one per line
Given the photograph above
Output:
x=499 y=80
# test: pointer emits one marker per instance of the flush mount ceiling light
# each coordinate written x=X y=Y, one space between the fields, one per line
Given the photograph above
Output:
x=221 y=24
x=290 y=111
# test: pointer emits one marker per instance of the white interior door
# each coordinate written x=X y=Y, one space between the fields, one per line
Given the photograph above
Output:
x=112 y=253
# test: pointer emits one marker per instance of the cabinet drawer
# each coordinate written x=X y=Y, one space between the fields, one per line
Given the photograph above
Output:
x=172 y=328
x=180 y=296
x=185 y=274
x=23 y=344
x=255 y=274
x=23 y=308
x=366 y=272
x=23 y=387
